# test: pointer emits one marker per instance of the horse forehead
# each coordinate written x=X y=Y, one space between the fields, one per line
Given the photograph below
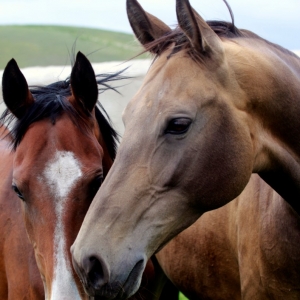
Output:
x=43 y=137
x=176 y=70
x=176 y=84
x=62 y=172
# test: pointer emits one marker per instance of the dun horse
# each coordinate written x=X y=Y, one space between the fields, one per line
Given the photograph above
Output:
x=247 y=249
x=217 y=105
x=63 y=147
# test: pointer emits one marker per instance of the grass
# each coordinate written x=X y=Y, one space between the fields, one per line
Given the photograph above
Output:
x=182 y=297
x=51 y=45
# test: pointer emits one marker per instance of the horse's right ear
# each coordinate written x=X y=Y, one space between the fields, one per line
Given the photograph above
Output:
x=16 y=94
x=145 y=26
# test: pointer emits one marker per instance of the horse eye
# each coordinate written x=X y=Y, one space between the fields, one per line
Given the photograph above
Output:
x=178 y=126
x=95 y=185
x=16 y=190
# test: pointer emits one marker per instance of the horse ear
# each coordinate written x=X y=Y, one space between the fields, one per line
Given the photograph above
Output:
x=16 y=94
x=83 y=82
x=145 y=26
x=201 y=36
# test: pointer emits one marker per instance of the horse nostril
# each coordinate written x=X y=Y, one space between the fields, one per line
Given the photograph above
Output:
x=95 y=272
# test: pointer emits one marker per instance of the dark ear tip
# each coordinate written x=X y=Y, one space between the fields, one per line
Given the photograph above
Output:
x=131 y=2
x=180 y=4
x=11 y=68
x=131 y=6
x=128 y=2
x=82 y=64
x=81 y=57
x=12 y=61
x=12 y=64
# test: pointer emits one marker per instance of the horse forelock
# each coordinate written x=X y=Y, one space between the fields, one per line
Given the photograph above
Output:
x=52 y=101
x=49 y=104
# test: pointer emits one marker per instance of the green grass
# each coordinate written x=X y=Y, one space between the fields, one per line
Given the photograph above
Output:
x=50 y=45
x=182 y=297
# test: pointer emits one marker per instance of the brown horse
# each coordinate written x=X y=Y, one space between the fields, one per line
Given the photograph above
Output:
x=217 y=105
x=63 y=147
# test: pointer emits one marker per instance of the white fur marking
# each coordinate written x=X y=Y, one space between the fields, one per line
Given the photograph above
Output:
x=61 y=174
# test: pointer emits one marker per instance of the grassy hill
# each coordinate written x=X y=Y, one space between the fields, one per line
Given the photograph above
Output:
x=51 y=45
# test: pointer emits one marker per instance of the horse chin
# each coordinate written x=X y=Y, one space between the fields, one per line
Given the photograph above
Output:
x=108 y=294
x=133 y=281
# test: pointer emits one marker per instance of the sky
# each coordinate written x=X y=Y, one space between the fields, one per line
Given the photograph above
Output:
x=275 y=20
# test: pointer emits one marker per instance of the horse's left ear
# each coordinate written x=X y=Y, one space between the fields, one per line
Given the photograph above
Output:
x=16 y=94
x=145 y=26
x=201 y=36
x=83 y=82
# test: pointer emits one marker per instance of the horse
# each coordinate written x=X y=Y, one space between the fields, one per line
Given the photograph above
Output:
x=55 y=156
x=247 y=249
x=217 y=105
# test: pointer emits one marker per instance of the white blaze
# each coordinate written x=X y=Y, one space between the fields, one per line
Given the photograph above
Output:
x=61 y=174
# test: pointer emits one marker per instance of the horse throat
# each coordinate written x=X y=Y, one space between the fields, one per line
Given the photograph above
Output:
x=275 y=105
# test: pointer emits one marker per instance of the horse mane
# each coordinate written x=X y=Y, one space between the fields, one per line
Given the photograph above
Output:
x=51 y=101
x=223 y=29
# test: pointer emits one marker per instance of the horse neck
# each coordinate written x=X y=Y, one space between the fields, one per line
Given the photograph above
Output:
x=274 y=105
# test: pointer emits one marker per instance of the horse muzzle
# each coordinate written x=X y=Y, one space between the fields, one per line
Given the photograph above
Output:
x=100 y=283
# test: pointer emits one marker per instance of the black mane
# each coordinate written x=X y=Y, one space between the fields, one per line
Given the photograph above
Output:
x=51 y=101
